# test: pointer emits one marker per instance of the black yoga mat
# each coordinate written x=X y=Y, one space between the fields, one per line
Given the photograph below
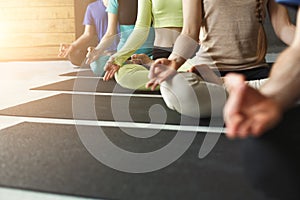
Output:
x=51 y=158
x=104 y=108
x=91 y=85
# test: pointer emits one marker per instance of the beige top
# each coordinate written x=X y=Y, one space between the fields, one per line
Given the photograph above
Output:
x=229 y=35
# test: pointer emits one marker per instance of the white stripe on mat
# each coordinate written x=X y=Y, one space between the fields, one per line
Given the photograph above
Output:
x=56 y=92
x=16 y=194
x=118 y=124
x=110 y=94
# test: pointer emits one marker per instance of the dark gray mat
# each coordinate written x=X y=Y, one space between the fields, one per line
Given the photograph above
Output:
x=88 y=73
x=51 y=158
x=89 y=107
x=91 y=85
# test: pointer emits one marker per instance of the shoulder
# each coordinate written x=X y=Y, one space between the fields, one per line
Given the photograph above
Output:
x=146 y=3
x=114 y=3
x=113 y=6
x=96 y=5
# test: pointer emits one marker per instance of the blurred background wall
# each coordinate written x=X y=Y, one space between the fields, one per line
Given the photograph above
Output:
x=34 y=29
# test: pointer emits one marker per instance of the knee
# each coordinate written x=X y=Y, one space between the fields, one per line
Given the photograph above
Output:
x=98 y=65
x=189 y=95
x=77 y=57
x=122 y=72
x=127 y=76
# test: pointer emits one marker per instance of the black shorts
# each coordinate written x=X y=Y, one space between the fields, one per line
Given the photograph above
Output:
x=251 y=74
x=161 y=52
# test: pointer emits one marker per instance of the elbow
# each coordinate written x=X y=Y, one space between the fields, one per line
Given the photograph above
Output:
x=192 y=32
x=192 y=35
x=110 y=33
x=286 y=34
x=279 y=33
x=145 y=29
x=88 y=36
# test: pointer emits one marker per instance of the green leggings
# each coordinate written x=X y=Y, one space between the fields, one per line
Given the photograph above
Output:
x=134 y=76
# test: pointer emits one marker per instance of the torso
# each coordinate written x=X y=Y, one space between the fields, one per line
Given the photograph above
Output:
x=167 y=21
x=97 y=16
x=166 y=37
x=231 y=24
x=127 y=12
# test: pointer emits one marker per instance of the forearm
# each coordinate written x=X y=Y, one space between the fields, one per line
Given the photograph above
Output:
x=110 y=35
x=139 y=35
x=187 y=43
x=283 y=84
x=136 y=39
x=106 y=42
x=82 y=41
x=184 y=48
x=284 y=81
x=89 y=35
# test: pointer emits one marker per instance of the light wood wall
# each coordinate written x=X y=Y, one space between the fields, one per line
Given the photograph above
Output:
x=80 y=9
x=33 y=29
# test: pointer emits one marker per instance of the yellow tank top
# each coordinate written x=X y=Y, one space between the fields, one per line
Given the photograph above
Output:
x=162 y=13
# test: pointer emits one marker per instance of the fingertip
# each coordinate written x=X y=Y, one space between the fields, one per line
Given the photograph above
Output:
x=153 y=87
x=230 y=134
x=257 y=130
x=157 y=61
x=243 y=134
x=148 y=85
x=244 y=130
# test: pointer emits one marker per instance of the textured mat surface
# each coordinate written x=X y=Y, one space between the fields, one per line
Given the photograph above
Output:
x=51 y=158
x=103 y=108
x=91 y=85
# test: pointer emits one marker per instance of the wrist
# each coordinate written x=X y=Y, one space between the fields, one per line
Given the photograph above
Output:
x=177 y=62
x=277 y=97
x=150 y=63
x=117 y=63
x=71 y=48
